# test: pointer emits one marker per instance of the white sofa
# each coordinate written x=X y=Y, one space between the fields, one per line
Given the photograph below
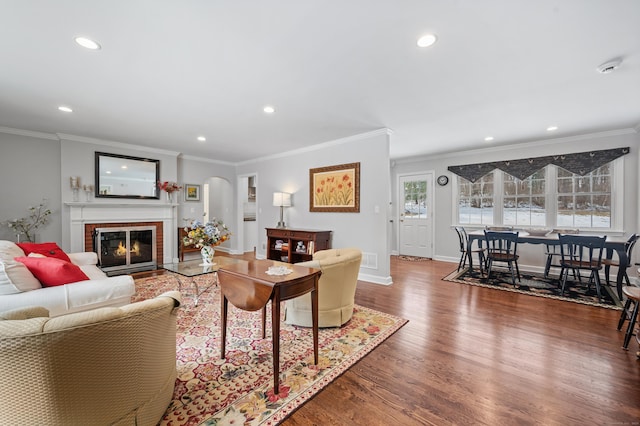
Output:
x=19 y=288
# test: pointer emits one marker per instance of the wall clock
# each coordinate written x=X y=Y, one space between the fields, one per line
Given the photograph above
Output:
x=443 y=180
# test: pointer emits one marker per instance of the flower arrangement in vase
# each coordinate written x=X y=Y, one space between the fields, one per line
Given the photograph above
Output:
x=169 y=188
x=206 y=236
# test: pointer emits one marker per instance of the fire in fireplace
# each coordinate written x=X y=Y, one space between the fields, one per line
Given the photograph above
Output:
x=126 y=249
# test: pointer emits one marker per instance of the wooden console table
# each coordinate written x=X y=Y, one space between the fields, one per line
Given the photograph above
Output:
x=248 y=286
x=182 y=249
x=312 y=239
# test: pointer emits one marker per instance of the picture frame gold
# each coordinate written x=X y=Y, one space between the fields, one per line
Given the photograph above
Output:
x=335 y=188
x=191 y=192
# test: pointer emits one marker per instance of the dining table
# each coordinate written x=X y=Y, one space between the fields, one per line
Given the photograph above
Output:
x=612 y=243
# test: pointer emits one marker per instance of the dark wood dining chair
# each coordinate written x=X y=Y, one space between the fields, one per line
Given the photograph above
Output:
x=581 y=253
x=502 y=247
x=463 y=238
x=629 y=313
x=552 y=251
x=608 y=263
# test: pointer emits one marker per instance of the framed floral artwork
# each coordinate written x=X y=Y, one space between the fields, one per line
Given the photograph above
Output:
x=335 y=188
x=191 y=192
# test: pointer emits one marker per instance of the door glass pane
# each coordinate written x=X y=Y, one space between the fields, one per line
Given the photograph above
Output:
x=415 y=196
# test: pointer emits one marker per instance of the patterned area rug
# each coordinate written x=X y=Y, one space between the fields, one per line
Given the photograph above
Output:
x=239 y=389
x=537 y=285
x=413 y=258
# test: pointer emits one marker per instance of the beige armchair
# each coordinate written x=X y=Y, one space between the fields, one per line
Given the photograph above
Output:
x=336 y=289
x=101 y=367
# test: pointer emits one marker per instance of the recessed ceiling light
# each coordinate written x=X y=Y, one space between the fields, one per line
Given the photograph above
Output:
x=87 y=43
x=552 y=128
x=488 y=138
x=108 y=172
x=427 y=40
x=124 y=167
x=65 y=108
x=202 y=138
x=269 y=109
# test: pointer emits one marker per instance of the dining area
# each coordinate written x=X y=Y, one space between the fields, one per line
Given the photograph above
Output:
x=593 y=252
x=570 y=259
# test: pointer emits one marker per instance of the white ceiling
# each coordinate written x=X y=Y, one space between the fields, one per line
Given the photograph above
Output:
x=171 y=70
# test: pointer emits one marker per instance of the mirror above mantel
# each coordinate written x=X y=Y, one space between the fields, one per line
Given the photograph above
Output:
x=122 y=176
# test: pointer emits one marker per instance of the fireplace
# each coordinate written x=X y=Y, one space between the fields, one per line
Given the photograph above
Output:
x=84 y=218
x=125 y=249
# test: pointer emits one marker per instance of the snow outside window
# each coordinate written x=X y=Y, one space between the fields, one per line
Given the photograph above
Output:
x=551 y=197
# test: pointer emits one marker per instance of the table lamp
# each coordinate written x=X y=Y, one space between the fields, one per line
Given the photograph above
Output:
x=282 y=200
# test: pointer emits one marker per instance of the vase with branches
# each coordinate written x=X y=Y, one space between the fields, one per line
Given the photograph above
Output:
x=38 y=216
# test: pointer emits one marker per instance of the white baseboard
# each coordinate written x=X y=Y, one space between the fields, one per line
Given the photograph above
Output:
x=375 y=279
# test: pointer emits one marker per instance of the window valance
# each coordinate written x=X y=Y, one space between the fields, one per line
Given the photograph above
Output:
x=580 y=163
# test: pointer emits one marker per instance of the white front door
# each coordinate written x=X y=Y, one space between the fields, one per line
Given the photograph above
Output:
x=416 y=215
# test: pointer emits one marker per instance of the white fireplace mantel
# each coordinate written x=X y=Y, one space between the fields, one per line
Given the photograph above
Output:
x=83 y=213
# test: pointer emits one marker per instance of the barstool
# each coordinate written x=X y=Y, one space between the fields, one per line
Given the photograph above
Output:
x=633 y=296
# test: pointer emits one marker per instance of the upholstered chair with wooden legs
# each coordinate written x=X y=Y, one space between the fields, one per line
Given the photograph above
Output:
x=336 y=289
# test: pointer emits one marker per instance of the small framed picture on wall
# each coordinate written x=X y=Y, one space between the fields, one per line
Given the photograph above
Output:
x=191 y=192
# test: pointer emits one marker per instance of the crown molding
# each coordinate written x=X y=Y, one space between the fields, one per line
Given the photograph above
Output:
x=29 y=133
x=83 y=139
x=316 y=147
x=502 y=148
x=206 y=160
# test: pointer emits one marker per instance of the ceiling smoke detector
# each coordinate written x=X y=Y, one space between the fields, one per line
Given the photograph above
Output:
x=608 y=67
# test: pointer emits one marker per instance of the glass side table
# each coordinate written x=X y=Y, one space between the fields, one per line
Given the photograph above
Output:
x=189 y=270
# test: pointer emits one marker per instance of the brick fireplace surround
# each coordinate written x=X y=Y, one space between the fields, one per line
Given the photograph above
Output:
x=90 y=227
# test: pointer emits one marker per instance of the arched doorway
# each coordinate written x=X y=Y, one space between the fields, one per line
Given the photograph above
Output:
x=218 y=203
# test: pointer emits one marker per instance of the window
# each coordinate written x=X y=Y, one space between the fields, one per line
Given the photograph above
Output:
x=552 y=197
x=475 y=201
x=524 y=201
x=584 y=201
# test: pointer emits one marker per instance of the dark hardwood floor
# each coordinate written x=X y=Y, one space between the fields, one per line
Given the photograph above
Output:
x=471 y=355
x=477 y=356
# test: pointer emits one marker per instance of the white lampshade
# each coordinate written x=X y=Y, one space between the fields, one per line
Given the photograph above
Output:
x=281 y=199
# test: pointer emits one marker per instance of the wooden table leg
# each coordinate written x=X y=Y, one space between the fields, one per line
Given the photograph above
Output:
x=223 y=324
x=314 y=320
x=623 y=262
x=275 y=331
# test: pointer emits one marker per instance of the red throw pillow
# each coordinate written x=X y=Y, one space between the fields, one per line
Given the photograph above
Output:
x=51 y=271
x=47 y=249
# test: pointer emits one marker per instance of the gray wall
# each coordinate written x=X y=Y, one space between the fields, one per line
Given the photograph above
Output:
x=446 y=243
x=290 y=173
x=199 y=171
x=36 y=165
x=30 y=171
x=78 y=159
